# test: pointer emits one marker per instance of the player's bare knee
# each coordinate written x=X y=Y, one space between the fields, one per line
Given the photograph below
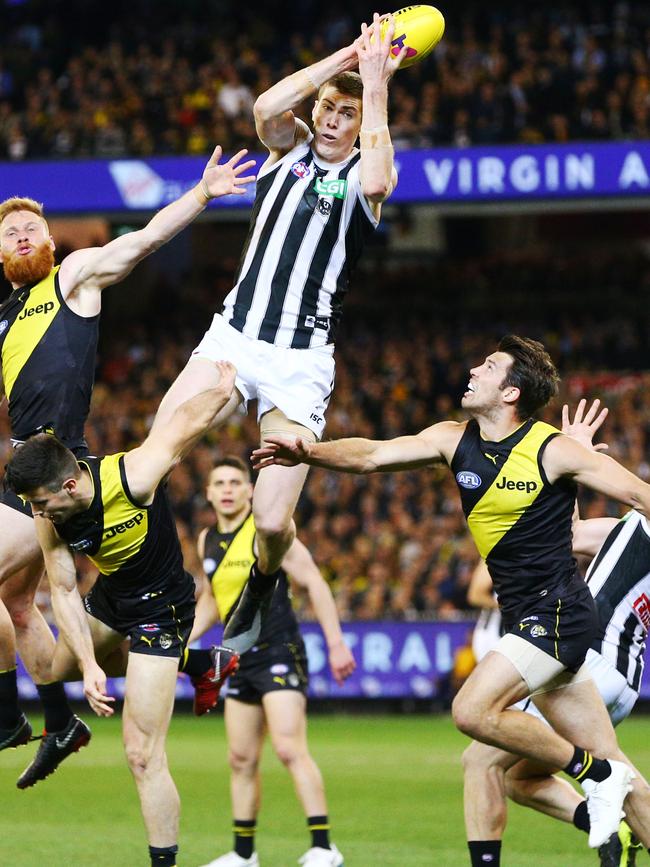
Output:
x=287 y=751
x=242 y=762
x=477 y=759
x=142 y=758
x=21 y=610
x=467 y=717
x=272 y=525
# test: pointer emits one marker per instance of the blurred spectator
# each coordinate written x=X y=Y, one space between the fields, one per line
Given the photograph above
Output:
x=396 y=545
x=570 y=71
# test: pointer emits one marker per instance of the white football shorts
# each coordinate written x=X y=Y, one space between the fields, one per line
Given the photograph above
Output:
x=298 y=382
x=618 y=695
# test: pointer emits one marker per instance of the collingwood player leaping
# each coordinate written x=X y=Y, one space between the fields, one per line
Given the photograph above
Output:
x=318 y=198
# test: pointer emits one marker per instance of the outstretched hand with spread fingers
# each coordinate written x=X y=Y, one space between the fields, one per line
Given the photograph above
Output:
x=377 y=64
x=280 y=451
x=226 y=178
x=583 y=427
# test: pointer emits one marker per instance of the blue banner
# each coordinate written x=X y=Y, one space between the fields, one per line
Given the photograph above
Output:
x=394 y=660
x=440 y=175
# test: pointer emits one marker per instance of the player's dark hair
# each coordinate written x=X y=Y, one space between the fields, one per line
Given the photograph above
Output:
x=42 y=461
x=347 y=83
x=236 y=463
x=532 y=372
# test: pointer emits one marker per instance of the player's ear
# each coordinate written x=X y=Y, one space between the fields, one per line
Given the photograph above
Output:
x=511 y=394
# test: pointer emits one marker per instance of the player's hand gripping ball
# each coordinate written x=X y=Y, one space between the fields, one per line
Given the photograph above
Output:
x=419 y=28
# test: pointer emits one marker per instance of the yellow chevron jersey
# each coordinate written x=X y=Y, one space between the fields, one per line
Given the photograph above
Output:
x=520 y=522
x=135 y=547
x=48 y=361
x=227 y=562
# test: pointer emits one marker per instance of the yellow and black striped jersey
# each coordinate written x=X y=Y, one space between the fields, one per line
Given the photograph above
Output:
x=135 y=547
x=227 y=561
x=520 y=522
x=48 y=357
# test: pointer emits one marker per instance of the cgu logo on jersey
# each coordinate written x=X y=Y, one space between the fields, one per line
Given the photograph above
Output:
x=335 y=187
x=124 y=526
x=508 y=485
x=469 y=480
x=39 y=308
x=642 y=608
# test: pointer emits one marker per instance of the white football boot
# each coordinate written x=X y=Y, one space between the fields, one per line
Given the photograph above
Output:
x=605 y=802
x=232 y=859
x=317 y=857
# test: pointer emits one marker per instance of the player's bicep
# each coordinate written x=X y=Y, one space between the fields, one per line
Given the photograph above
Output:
x=589 y=535
x=430 y=446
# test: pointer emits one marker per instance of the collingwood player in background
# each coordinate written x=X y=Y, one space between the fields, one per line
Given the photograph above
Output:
x=517 y=480
x=318 y=198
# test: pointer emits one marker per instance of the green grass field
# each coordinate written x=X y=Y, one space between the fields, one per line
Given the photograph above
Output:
x=394 y=787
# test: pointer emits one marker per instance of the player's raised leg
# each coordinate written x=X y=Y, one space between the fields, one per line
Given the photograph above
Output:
x=198 y=375
x=483 y=710
x=576 y=714
x=148 y=705
x=23 y=629
x=275 y=498
x=57 y=744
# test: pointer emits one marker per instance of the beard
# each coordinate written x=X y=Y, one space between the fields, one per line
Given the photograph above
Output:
x=29 y=269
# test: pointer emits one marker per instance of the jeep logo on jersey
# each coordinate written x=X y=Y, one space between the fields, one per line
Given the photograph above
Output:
x=39 y=308
x=508 y=485
x=469 y=480
x=301 y=169
x=126 y=525
x=335 y=187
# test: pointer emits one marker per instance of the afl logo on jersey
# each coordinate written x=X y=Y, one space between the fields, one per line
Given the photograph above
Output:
x=301 y=169
x=3 y=326
x=469 y=480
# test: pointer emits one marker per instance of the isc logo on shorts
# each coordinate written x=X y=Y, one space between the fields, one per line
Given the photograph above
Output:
x=469 y=480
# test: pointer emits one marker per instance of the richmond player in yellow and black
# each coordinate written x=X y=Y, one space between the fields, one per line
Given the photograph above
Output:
x=268 y=691
x=115 y=511
x=517 y=481
x=48 y=341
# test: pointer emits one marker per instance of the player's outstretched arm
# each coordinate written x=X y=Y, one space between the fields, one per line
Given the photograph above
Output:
x=70 y=615
x=167 y=444
x=99 y=267
x=277 y=127
x=376 y=67
x=565 y=457
x=480 y=593
x=206 y=614
x=357 y=455
x=301 y=568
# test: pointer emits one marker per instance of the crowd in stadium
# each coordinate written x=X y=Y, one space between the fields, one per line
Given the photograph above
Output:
x=391 y=545
x=559 y=73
